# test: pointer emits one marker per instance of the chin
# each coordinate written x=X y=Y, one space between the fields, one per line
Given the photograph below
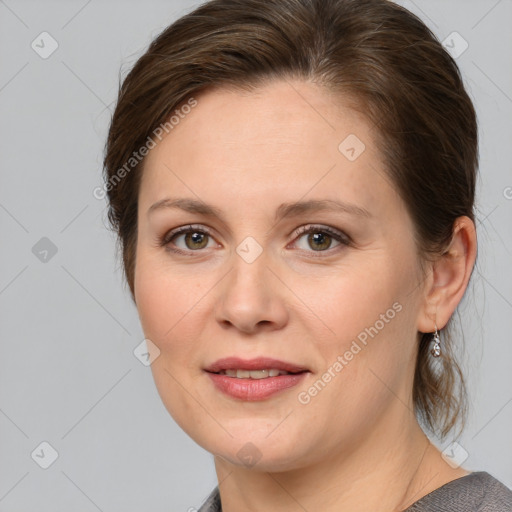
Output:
x=253 y=459
x=257 y=450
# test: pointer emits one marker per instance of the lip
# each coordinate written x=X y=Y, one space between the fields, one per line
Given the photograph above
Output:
x=254 y=389
x=259 y=363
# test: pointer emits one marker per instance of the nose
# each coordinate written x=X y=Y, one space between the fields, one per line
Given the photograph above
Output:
x=252 y=297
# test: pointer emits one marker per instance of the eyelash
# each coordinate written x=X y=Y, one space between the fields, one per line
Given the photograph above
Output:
x=340 y=237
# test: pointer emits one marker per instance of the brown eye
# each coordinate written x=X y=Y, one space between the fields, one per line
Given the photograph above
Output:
x=319 y=241
x=319 y=238
x=186 y=239
x=196 y=240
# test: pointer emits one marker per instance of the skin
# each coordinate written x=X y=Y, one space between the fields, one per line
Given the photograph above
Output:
x=356 y=446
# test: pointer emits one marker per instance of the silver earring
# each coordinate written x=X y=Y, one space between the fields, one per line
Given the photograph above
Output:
x=436 y=349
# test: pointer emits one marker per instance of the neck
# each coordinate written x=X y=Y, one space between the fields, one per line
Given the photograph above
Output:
x=389 y=470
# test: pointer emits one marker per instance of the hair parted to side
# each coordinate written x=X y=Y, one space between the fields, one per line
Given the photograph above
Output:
x=373 y=52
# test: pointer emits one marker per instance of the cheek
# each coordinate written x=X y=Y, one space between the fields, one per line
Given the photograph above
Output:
x=366 y=372
x=154 y=305
x=369 y=344
x=351 y=299
x=166 y=304
x=163 y=299
x=173 y=309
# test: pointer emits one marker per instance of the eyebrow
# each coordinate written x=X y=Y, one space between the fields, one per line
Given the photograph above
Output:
x=284 y=209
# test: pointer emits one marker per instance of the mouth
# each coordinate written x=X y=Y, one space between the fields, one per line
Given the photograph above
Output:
x=259 y=368
x=254 y=374
x=254 y=379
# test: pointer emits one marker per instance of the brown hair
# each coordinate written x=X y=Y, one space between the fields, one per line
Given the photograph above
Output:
x=372 y=51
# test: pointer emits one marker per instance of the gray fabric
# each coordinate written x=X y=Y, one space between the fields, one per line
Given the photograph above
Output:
x=476 y=492
x=212 y=504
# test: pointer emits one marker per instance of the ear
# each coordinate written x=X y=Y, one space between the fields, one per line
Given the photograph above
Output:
x=448 y=277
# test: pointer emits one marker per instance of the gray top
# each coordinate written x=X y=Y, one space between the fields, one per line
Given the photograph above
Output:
x=476 y=492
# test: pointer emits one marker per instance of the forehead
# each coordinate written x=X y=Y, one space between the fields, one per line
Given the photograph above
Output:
x=282 y=141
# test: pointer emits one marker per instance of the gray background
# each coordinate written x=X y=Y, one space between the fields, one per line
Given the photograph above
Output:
x=68 y=375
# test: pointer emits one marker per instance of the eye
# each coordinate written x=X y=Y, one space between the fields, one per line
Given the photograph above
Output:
x=189 y=239
x=320 y=238
x=194 y=238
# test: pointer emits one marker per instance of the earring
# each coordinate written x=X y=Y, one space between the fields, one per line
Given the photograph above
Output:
x=436 y=349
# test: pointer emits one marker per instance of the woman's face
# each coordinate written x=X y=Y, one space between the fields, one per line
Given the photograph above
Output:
x=339 y=301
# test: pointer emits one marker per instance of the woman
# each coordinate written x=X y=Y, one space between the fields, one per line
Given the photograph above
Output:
x=292 y=183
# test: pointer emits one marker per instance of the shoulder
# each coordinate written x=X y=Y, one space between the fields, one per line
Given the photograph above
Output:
x=212 y=503
x=476 y=492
